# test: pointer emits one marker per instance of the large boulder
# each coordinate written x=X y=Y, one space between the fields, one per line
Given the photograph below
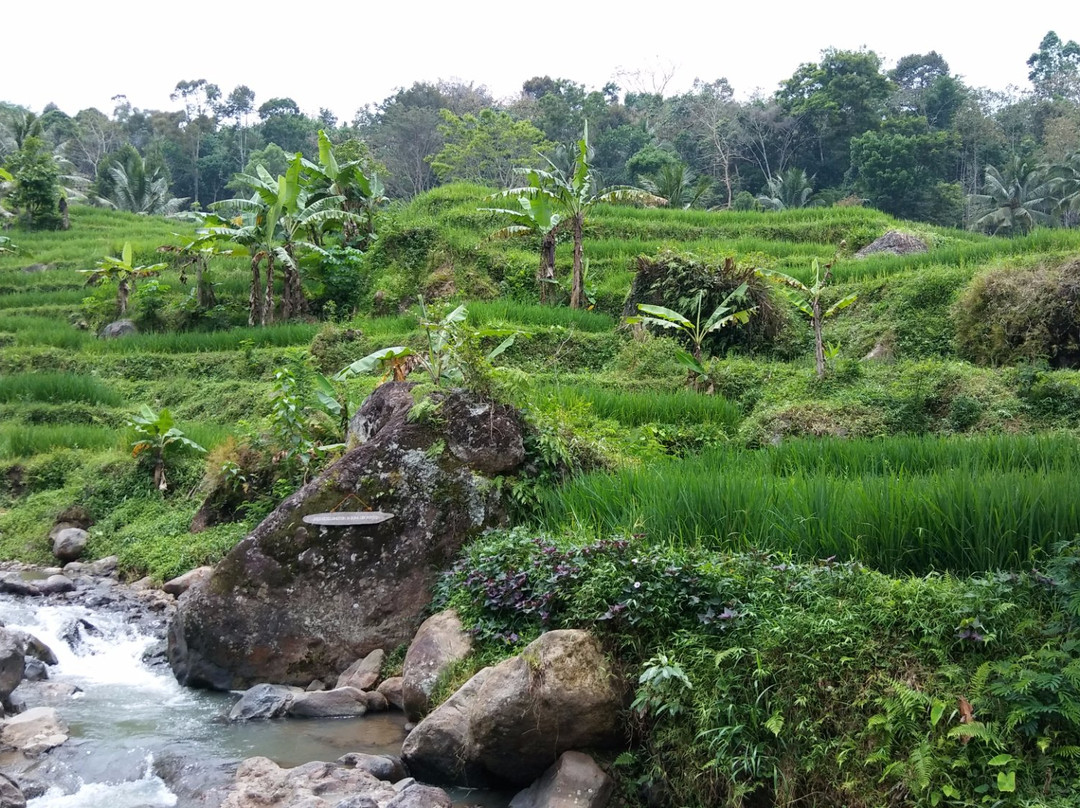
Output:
x=894 y=243
x=182 y=583
x=292 y=602
x=261 y=783
x=342 y=702
x=68 y=544
x=263 y=701
x=574 y=781
x=440 y=642
x=118 y=328
x=510 y=722
x=11 y=796
x=32 y=732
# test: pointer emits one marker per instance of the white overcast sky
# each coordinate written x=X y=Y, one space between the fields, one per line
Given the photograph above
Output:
x=342 y=55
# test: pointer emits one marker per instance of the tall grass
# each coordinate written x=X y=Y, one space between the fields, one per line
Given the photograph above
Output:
x=55 y=388
x=276 y=336
x=898 y=505
x=22 y=441
x=508 y=311
x=653 y=407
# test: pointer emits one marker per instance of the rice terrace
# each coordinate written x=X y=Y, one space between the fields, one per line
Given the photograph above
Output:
x=748 y=474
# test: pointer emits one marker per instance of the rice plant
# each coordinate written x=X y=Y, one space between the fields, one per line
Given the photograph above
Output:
x=682 y=407
x=531 y=315
x=55 y=388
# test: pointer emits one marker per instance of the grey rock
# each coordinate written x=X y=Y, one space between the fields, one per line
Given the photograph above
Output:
x=421 y=796
x=316 y=684
x=32 y=646
x=103 y=566
x=12 y=663
x=341 y=702
x=294 y=602
x=376 y=702
x=573 y=781
x=118 y=328
x=11 y=796
x=69 y=543
x=385 y=767
x=56 y=585
x=364 y=672
x=893 y=242
x=262 y=784
x=262 y=702
x=440 y=641
x=14 y=585
x=510 y=722
x=391 y=690
x=34 y=670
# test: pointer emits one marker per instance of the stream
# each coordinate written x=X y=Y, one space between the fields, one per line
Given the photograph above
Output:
x=140 y=740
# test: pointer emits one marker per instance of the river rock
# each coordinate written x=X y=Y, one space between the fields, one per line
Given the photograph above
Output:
x=34 y=670
x=391 y=689
x=260 y=783
x=573 y=781
x=385 y=767
x=294 y=602
x=364 y=673
x=376 y=702
x=69 y=543
x=510 y=722
x=35 y=731
x=15 y=585
x=440 y=642
x=261 y=702
x=181 y=583
x=416 y=795
x=11 y=796
x=118 y=328
x=56 y=585
x=32 y=646
x=12 y=663
x=341 y=702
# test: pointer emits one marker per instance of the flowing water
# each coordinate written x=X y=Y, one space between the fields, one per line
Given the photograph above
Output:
x=131 y=719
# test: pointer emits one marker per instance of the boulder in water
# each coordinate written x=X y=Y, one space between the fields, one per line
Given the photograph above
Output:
x=391 y=690
x=12 y=663
x=11 y=796
x=35 y=731
x=263 y=701
x=294 y=602
x=260 y=783
x=341 y=702
x=56 y=585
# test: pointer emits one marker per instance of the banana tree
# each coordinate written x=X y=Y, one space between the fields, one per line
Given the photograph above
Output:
x=157 y=434
x=251 y=233
x=123 y=272
x=695 y=330
x=807 y=299
x=361 y=195
x=535 y=215
x=574 y=195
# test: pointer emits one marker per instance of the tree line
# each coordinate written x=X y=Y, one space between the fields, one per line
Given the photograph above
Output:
x=913 y=140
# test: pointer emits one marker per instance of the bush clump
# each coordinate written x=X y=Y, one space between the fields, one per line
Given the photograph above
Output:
x=1015 y=315
x=673 y=280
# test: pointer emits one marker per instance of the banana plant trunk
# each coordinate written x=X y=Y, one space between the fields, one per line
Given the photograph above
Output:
x=546 y=273
x=819 y=345
x=122 y=292
x=267 y=314
x=255 y=299
x=577 y=291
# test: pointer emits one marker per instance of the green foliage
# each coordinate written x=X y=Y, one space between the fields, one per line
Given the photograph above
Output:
x=1011 y=315
x=158 y=436
x=56 y=388
x=36 y=194
x=486 y=148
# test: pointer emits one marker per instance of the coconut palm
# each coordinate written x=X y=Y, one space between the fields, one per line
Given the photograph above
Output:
x=789 y=189
x=573 y=195
x=678 y=184
x=141 y=187
x=1014 y=200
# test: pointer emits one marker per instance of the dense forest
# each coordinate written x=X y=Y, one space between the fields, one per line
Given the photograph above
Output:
x=913 y=141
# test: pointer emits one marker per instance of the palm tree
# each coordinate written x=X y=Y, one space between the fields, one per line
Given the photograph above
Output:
x=678 y=184
x=573 y=195
x=141 y=187
x=1013 y=201
x=790 y=189
x=535 y=215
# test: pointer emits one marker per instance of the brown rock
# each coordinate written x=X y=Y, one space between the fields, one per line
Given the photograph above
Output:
x=439 y=643
x=35 y=731
x=294 y=602
x=893 y=242
x=573 y=781
x=181 y=583
x=364 y=673
x=510 y=722
x=260 y=783
x=391 y=689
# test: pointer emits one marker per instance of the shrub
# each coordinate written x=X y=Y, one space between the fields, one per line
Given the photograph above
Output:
x=673 y=280
x=1014 y=315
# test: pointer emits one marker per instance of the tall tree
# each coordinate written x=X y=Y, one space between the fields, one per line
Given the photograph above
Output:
x=200 y=99
x=487 y=148
x=1055 y=68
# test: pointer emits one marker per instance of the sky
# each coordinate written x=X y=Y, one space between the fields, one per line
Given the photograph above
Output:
x=344 y=54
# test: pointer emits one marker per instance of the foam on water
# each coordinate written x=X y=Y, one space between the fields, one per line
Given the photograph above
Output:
x=147 y=792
